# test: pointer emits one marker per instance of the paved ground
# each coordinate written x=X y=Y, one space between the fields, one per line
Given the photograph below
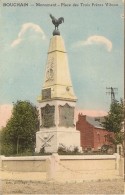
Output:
x=80 y=183
x=40 y=187
x=64 y=176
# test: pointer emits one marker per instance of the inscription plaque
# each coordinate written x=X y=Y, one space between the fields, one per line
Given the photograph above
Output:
x=66 y=116
x=46 y=93
x=47 y=116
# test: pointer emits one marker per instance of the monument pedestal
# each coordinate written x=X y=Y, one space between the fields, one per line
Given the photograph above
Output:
x=57 y=129
x=52 y=140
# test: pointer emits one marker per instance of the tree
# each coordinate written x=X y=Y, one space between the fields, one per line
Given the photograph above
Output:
x=114 y=121
x=118 y=138
x=6 y=148
x=20 y=131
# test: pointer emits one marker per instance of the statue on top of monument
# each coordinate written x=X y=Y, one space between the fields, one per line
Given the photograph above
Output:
x=56 y=22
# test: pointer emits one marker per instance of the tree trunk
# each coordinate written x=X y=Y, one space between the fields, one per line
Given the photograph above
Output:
x=17 y=146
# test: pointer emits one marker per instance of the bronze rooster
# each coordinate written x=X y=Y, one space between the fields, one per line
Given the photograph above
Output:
x=56 y=22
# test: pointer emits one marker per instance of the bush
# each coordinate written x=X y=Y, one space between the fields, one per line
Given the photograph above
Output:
x=107 y=149
x=62 y=150
x=42 y=152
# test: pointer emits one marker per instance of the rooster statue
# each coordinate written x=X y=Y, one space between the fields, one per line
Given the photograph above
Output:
x=56 y=22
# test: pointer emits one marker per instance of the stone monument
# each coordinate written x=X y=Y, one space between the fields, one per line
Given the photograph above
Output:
x=57 y=100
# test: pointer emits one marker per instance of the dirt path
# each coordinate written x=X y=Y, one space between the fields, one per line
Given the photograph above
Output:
x=40 y=187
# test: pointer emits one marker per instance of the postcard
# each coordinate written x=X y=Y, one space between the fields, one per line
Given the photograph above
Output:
x=64 y=60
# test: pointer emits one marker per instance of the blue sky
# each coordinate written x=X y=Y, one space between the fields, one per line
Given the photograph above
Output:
x=93 y=38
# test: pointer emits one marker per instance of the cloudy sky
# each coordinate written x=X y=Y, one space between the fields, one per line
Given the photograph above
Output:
x=93 y=38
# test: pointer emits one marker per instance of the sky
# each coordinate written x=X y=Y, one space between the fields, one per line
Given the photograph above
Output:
x=93 y=36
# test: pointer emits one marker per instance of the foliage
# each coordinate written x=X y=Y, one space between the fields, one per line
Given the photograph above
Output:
x=20 y=131
x=67 y=151
x=107 y=149
x=6 y=148
x=42 y=152
x=118 y=138
x=114 y=120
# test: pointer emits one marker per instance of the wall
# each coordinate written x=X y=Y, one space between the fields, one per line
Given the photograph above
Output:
x=24 y=164
x=77 y=168
x=41 y=163
x=86 y=132
x=101 y=137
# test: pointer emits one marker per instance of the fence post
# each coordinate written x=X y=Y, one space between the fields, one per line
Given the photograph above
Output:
x=1 y=168
x=1 y=164
x=117 y=160
x=121 y=166
x=52 y=164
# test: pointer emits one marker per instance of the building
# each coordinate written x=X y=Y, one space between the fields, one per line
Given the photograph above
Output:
x=92 y=135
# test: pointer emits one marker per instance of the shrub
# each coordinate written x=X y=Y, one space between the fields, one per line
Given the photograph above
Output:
x=62 y=150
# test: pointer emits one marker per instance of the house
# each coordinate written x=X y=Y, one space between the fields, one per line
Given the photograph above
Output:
x=93 y=136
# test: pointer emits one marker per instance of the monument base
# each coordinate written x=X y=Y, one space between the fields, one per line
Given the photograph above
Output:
x=51 y=140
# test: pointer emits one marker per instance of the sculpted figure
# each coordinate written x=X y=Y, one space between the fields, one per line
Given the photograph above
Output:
x=56 y=22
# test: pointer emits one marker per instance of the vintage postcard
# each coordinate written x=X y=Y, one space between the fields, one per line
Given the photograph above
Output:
x=61 y=73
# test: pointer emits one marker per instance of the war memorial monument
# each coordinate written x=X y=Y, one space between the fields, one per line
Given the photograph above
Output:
x=57 y=100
